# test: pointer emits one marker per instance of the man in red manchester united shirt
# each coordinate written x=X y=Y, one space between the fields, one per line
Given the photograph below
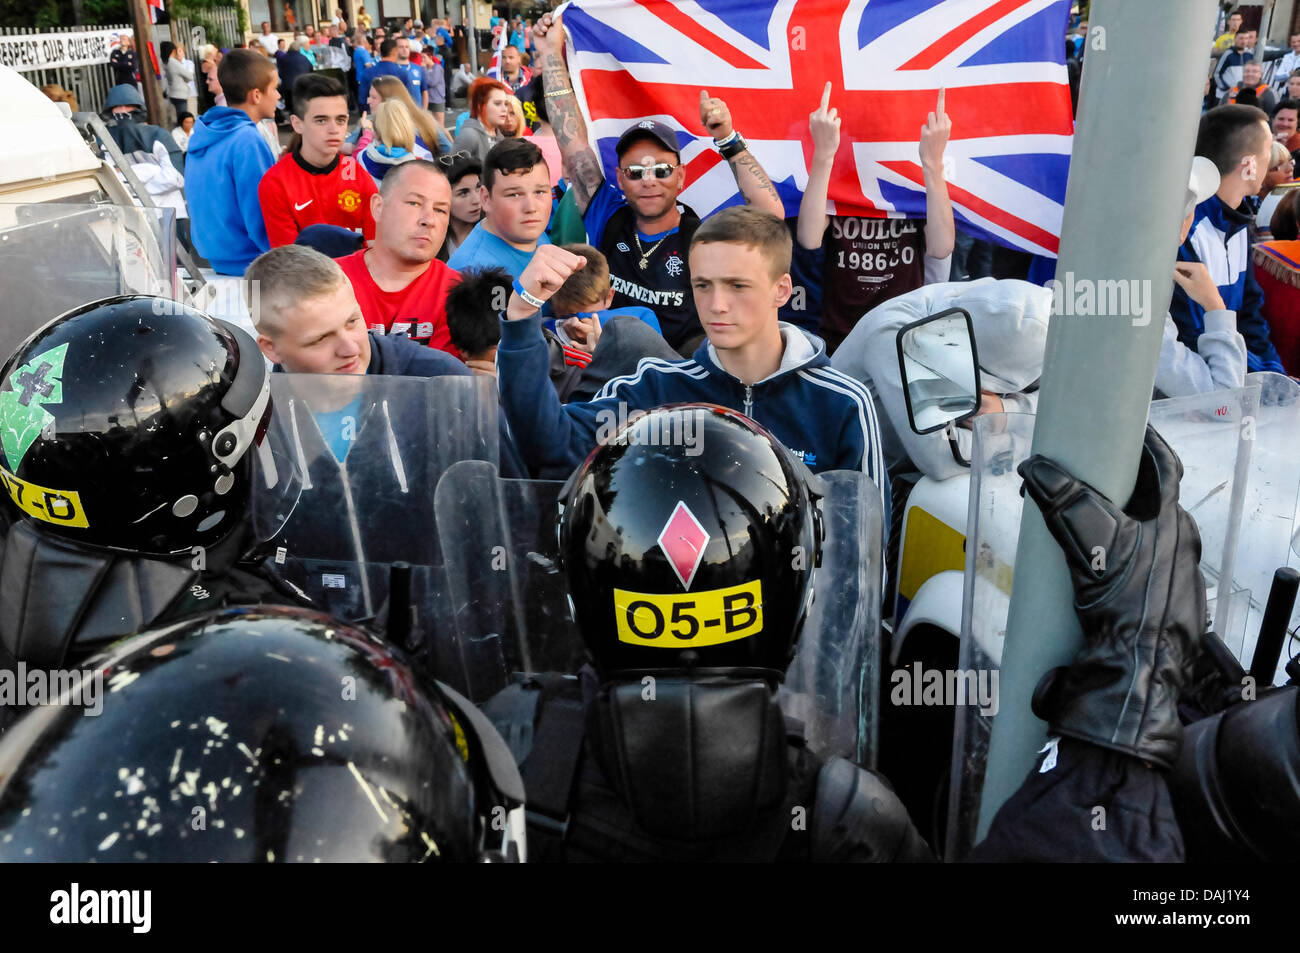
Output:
x=400 y=285
x=312 y=184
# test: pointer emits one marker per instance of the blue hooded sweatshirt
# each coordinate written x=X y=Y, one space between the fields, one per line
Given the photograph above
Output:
x=1220 y=239
x=226 y=160
x=826 y=418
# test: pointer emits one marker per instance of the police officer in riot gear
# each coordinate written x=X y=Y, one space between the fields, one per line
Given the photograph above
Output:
x=257 y=735
x=1169 y=791
x=688 y=594
x=128 y=429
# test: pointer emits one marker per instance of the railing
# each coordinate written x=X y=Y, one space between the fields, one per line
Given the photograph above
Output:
x=90 y=84
x=224 y=19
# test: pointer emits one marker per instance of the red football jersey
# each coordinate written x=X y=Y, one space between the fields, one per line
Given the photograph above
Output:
x=294 y=195
x=419 y=310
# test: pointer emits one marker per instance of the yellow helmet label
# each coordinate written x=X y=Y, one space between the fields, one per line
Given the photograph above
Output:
x=60 y=507
x=689 y=620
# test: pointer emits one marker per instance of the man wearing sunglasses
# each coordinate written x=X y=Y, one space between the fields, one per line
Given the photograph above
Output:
x=637 y=221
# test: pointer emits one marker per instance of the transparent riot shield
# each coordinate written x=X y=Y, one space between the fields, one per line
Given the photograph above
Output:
x=1267 y=537
x=1000 y=443
x=55 y=257
x=832 y=685
x=368 y=453
x=511 y=614
x=1215 y=436
x=509 y=608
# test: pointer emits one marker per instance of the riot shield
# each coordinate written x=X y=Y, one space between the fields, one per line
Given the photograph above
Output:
x=832 y=685
x=511 y=612
x=57 y=257
x=509 y=607
x=368 y=453
x=1267 y=537
x=1233 y=491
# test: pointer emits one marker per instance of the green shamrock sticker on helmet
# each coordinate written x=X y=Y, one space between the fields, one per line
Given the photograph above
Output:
x=22 y=412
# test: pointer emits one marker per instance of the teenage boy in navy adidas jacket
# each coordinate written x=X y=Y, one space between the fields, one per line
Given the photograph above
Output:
x=1237 y=139
x=770 y=371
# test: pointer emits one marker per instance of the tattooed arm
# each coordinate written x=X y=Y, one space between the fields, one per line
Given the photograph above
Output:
x=585 y=173
x=755 y=186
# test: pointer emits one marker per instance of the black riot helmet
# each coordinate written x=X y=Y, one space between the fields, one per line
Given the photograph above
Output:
x=263 y=735
x=126 y=424
x=691 y=530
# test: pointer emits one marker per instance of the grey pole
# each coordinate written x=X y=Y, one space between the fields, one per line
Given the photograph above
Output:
x=471 y=36
x=1139 y=106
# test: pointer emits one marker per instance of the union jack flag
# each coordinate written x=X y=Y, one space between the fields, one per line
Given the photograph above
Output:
x=1002 y=63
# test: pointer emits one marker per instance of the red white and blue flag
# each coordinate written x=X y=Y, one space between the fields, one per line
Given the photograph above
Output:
x=1002 y=63
x=498 y=44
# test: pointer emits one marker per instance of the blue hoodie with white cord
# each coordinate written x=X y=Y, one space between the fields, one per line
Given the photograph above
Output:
x=226 y=160
x=825 y=418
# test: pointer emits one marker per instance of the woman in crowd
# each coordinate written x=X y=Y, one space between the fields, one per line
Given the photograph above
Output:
x=489 y=111
x=1280 y=169
x=430 y=138
x=515 y=126
x=466 y=202
x=393 y=142
x=178 y=72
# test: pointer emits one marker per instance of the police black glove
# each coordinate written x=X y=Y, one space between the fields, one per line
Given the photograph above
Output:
x=1140 y=598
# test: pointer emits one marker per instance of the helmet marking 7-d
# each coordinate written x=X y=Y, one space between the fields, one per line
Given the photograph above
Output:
x=707 y=546
x=126 y=424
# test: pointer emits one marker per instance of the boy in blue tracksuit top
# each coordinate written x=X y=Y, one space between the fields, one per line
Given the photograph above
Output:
x=772 y=372
x=1237 y=139
x=226 y=160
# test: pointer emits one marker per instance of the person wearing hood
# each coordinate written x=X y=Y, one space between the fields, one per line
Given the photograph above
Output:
x=489 y=110
x=1010 y=321
x=124 y=110
x=227 y=158
x=751 y=362
x=155 y=157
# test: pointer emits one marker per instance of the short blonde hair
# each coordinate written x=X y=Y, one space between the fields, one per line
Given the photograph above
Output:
x=742 y=225
x=279 y=281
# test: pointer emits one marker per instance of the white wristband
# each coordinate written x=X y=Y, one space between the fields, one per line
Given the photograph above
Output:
x=727 y=141
x=528 y=298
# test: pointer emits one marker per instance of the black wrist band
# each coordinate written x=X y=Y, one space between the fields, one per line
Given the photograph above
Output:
x=733 y=148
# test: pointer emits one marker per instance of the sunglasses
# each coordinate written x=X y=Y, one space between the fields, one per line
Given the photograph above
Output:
x=453 y=157
x=661 y=170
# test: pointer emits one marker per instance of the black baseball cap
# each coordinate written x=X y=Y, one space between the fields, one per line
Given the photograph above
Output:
x=648 y=129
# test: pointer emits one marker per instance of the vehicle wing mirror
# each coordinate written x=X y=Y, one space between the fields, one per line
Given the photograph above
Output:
x=939 y=368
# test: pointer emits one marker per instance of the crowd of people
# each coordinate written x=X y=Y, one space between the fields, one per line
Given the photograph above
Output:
x=638 y=303
x=635 y=303
x=377 y=240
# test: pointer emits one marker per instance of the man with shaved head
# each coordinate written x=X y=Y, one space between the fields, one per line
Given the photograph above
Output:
x=399 y=283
